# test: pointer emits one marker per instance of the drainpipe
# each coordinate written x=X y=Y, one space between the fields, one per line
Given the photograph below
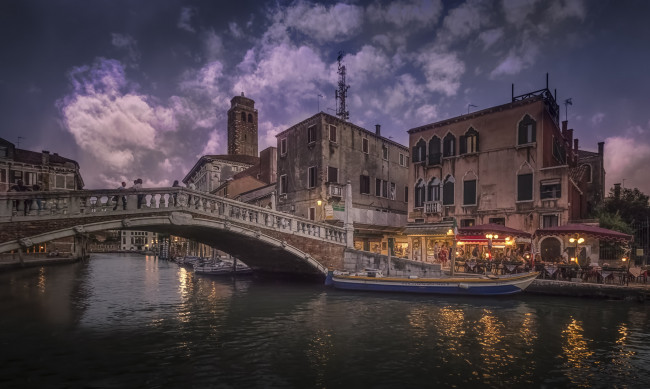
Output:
x=349 y=228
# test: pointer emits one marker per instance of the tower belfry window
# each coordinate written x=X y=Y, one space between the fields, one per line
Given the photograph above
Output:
x=243 y=117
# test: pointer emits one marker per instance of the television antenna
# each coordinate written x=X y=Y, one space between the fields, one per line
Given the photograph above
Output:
x=567 y=102
x=18 y=143
x=469 y=106
x=342 y=91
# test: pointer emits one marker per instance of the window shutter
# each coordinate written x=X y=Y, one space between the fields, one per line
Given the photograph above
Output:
x=463 y=145
x=476 y=143
x=414 y=154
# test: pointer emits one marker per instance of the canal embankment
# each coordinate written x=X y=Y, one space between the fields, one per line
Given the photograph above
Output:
x=13 y=261
x=632 y=292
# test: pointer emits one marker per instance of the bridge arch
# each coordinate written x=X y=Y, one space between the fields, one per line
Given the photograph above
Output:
x=254 y=247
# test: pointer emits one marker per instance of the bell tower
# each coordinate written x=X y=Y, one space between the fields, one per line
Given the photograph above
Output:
x=242 y=126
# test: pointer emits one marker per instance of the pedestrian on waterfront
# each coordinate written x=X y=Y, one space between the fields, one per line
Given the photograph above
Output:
x=117 y=198
x=137 y=185
x=39 y=201
x=20 y=187
x=175 y=195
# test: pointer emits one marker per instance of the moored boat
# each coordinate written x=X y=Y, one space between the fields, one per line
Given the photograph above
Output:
x=373 y=280
x=222 y=268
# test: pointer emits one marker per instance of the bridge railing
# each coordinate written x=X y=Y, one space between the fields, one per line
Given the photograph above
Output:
x=17 y=206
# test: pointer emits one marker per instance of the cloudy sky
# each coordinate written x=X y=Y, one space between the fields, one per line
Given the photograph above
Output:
x=141 y=88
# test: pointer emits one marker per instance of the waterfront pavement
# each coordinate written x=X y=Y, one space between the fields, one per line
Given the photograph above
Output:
x=12 y=261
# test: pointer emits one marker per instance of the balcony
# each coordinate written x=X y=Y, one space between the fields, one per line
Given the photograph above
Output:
x=334 y=190
x=432 y=207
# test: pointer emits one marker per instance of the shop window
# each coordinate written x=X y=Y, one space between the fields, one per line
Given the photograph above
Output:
x=435 y=155
x=448 y=191
x=466 y=222
x=551 y=189
x=526 y=132
x=525 y=187
x=469 y=192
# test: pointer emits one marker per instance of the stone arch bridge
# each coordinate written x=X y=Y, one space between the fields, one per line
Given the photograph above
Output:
x=264 y=239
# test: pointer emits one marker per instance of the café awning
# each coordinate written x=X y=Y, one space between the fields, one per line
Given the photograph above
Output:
x=495 y=229
x=585 y=230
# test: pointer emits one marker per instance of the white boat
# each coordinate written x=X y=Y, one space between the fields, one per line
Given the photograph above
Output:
x=222 y=268
x=483 y=285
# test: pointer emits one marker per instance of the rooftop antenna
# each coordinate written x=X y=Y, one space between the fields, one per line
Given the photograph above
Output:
x=567 y=102
x=18 y=143
x=319 y=97
x=342 y=91
x=471 y=105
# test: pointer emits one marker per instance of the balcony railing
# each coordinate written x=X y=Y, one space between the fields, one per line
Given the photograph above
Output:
x=432 y=207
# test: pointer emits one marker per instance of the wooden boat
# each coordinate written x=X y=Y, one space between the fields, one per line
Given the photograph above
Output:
x=481 y=285
x=222 y=268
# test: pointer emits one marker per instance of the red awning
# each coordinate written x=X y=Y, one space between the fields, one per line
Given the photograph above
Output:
x=583 y=229
x=480 y=239
x=497 y=229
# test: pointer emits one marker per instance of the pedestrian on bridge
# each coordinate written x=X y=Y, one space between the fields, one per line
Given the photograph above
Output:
x=117 y=198
x=20 y=187
x=137 y=185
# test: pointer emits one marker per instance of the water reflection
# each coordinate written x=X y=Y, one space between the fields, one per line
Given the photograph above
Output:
x=577 y=354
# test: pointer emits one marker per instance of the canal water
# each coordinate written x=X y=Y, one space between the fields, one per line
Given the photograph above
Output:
x=134 y=321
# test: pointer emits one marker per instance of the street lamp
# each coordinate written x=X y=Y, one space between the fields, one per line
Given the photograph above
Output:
x=319 y=202
x=627 y=273
x=489 y=238
x=577 y=240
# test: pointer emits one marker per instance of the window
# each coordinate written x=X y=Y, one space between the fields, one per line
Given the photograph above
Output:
x=332 y=174
x=549 y=221
x=449 y=146
x=284 y=184
x=60 y=181
x=588 y=176
x=448 y=191
x=311 y=134
x=364 y=145
x=469 y=142
x=3 y=152
x=469 y=192
x=364 y=184
x=466 y=222
x=559 y=151
x=434 y=151
x=312 y=175
x=312 y=213
x=406 y=194
x=377 y=187
x=419 y=151
x=384 y=152
x=283 y=146
x=419 y=194
x=551 y=189
x=497 y=220
x=526 y=132
x=402 y=159
x=3 y=175
x=243 y=117
x=433 y=194
x=391 y=195
x=332 y=133
x=250 y=118
x=384 y=188
x=525 y=187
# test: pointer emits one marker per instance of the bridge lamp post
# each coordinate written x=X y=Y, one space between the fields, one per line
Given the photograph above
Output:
x=627 y=273
x=577 y=240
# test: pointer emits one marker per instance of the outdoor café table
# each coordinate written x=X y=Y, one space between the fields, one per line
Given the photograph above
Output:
x=471 y=266
x=511 y=268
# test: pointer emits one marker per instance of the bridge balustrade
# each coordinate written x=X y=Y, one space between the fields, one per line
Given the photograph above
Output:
x=16 y=206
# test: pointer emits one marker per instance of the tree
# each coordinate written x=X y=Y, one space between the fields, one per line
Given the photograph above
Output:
x=623 y=204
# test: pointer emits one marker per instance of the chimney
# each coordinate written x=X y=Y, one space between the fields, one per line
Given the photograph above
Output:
x=575 y=146
x=564 y=129
x=45 y=157
x=569 y=140
x=601 y=149
x=617 y=191
x=378 y=129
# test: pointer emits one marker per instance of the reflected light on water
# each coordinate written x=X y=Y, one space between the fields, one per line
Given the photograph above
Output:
x=495 y=353
x=41 y=280
x=577 y=354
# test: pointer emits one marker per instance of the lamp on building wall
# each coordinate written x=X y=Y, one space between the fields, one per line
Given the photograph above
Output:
x=577 y=240
x=489 y=237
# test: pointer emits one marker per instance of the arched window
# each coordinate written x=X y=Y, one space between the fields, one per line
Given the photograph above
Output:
x=419 y=193
x=449 y=146
x=434 y=151
x=419 y=151
x=243 y=117
x=526 y=132
x=448 y=191
x=587 y=168
x=433 y=192
x=469 y=142
x=250 y=118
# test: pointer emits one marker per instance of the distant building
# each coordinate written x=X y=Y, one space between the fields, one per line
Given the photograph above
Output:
x=316 y=159
x=211 y=171
x=242 y=127
x=592 y=173
x=260 y=175
x=51 y=171
x=138 y=240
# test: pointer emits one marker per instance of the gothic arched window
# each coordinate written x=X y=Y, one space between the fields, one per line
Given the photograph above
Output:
x=448 y=191
x=434 y=151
